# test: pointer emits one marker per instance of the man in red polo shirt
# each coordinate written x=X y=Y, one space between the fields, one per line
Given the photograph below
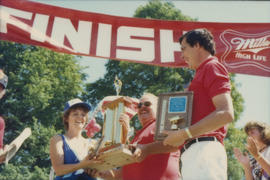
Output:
x=155 y=161
x=203 y=156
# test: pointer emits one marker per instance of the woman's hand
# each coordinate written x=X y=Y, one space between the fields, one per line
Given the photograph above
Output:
x=88 y=161
x=252 y=147
x=242 y=158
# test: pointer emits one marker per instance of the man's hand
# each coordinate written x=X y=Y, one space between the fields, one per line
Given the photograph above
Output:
x=175 y=138
x=91 y=172
x=3 y=154
x=124 y=121
x=2 y=158
x=106 y=174
x=110 y=174
x=140 y=152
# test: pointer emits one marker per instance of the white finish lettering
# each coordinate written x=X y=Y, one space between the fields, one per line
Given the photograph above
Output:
x=147 y=49
x=168 y=46
x=6 y=18
x=79 y=40
x=39 y=28
x=104 y=40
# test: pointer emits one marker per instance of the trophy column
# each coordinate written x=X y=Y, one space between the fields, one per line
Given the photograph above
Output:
x=114 y=151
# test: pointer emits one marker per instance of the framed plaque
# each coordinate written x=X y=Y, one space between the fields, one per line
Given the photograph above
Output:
x=174 y=112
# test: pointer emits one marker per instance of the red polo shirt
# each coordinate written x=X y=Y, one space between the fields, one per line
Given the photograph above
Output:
x=211 y=79
x=154 y=167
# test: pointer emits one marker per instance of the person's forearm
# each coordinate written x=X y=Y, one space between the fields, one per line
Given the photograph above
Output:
x=212 y=122
x=248 y=173
x=158 y=148
x=67 y=168
x=264 y=163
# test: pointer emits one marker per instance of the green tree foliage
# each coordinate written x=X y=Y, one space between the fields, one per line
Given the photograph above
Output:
x=40 y=82
x=155 y=9
x=235 y=137
x=138 y=78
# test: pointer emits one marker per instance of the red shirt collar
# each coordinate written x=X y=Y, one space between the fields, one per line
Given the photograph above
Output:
x=206 y=61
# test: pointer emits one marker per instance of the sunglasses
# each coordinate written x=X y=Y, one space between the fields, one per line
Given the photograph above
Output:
x=146 y=103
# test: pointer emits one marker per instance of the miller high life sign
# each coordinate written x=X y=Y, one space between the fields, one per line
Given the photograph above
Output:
x=245 y=52
x=241 y=47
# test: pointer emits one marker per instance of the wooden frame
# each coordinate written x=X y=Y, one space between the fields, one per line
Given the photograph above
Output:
x=174 y=112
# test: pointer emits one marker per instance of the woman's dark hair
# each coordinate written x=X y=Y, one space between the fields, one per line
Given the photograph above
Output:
x=263 y=128
x=201 y=36
x=67 y=113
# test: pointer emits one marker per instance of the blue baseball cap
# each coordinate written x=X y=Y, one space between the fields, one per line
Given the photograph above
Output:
x=3 y=79
x=76 y=102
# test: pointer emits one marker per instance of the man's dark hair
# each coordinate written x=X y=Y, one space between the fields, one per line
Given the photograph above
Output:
x=201 y=36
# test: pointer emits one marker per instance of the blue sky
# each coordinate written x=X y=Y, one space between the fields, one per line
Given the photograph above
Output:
x=255 y=89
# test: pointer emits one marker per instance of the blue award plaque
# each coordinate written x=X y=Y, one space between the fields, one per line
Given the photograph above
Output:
x=178 y=104
x=174 y=112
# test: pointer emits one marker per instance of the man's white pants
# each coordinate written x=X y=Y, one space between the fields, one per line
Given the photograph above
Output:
x=205 y=160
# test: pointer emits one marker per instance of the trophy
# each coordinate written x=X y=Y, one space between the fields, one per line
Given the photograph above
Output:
x=113 y=148
x=174 y=112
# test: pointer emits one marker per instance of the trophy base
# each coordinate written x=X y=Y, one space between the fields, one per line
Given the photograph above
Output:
x=114 y=157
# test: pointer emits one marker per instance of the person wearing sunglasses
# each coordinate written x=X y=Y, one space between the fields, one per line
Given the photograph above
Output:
x=153 y=159
x=203 y=155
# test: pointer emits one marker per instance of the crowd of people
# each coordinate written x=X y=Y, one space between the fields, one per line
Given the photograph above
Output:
x=199 y=148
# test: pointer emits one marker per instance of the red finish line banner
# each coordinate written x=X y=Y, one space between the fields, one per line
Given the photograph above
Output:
x=241 y=47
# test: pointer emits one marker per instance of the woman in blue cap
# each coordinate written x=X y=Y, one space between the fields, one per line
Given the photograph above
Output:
x=69 y=152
